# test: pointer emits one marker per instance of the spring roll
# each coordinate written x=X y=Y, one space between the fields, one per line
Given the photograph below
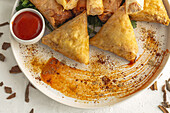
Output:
x=52 y=11
x=81 y=6
x=95 y=7
x=110 y=6
x=71 y=39
x=154 y=11
x=117 y=36
x=133 y=6
x=68 y=4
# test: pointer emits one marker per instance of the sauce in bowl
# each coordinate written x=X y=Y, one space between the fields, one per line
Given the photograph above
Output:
x=27 y=25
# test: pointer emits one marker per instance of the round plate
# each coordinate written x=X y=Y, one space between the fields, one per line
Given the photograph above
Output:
x=146 y=69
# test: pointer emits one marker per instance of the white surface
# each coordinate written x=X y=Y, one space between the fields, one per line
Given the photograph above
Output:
x=145 y=102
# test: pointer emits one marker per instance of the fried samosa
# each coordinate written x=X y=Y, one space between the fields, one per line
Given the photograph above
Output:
x=68 y=4
x=81 y=6
x=95 y=7
x=52 y=11
x=117 y=36
x=154 y=11
x=71 y=39
x=133 y=6
x=110 y=6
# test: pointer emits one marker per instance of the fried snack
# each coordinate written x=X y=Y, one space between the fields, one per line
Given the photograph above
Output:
x=81 y=6
x=133 y=6
x=154 y=11
x=95 y=7
x=68 y=4
x=52 y=11
x=71 y=39
x=110 y=6
x=117 y=36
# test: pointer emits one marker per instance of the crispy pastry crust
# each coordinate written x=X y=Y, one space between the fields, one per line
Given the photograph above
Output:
x=133 y=6
x=71 y=39
x=110 y=6
x=154 y=11
x=52 y=11
x=117 y=36
x=95 y=7
x=68 y=4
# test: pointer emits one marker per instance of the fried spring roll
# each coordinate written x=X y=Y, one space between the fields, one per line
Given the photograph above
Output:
x=81 y=6
x=133 y=6
x=52 y=11
x=154 y=11
x=95 y=7
x=68 y=4
x=110 y=6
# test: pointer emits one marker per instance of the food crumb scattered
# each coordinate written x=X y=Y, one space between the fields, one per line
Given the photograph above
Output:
x=6 y=45
x=154 y=86
x=168 y=84
x=1 y=84
x=15 y=70
x=27 y=93
x=4 y=24
x=32 y=110
x=2 y=57
x=8 y=89
x=164 y=110
x=11 y=96
x=1 y=34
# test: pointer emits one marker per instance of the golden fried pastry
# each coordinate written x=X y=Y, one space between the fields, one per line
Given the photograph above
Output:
x=52 y=11
x=154 y=11
x=110 y=6
x=133 y=6
x=68 y=4
x=71 y=39
x=95 y=7
x=117 y=36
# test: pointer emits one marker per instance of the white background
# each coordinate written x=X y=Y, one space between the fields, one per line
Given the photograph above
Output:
x=144 y=102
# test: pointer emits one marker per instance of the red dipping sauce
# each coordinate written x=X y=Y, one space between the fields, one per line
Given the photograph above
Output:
x=27 y=25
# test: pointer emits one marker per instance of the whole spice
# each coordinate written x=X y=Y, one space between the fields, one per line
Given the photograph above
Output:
x=7 y=89
x=6 y=45
x=4 y=24
x=15 y=69
x=154 y=86
x=32 y=110
x=164 y=110
x=27 y=93
x=11 y=96
x=168 y=84
x=165 y=103
x=1 y=34
x=1 y=84
x=2 y=57
x=164 y=93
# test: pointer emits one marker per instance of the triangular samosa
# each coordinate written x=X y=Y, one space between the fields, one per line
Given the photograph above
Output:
x=71 y=39
x=117 y=36
x=154 y=11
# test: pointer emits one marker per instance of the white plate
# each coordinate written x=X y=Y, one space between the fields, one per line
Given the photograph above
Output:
x=23 y=57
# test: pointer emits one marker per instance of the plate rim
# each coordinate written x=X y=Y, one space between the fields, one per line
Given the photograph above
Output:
x=76 y=104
